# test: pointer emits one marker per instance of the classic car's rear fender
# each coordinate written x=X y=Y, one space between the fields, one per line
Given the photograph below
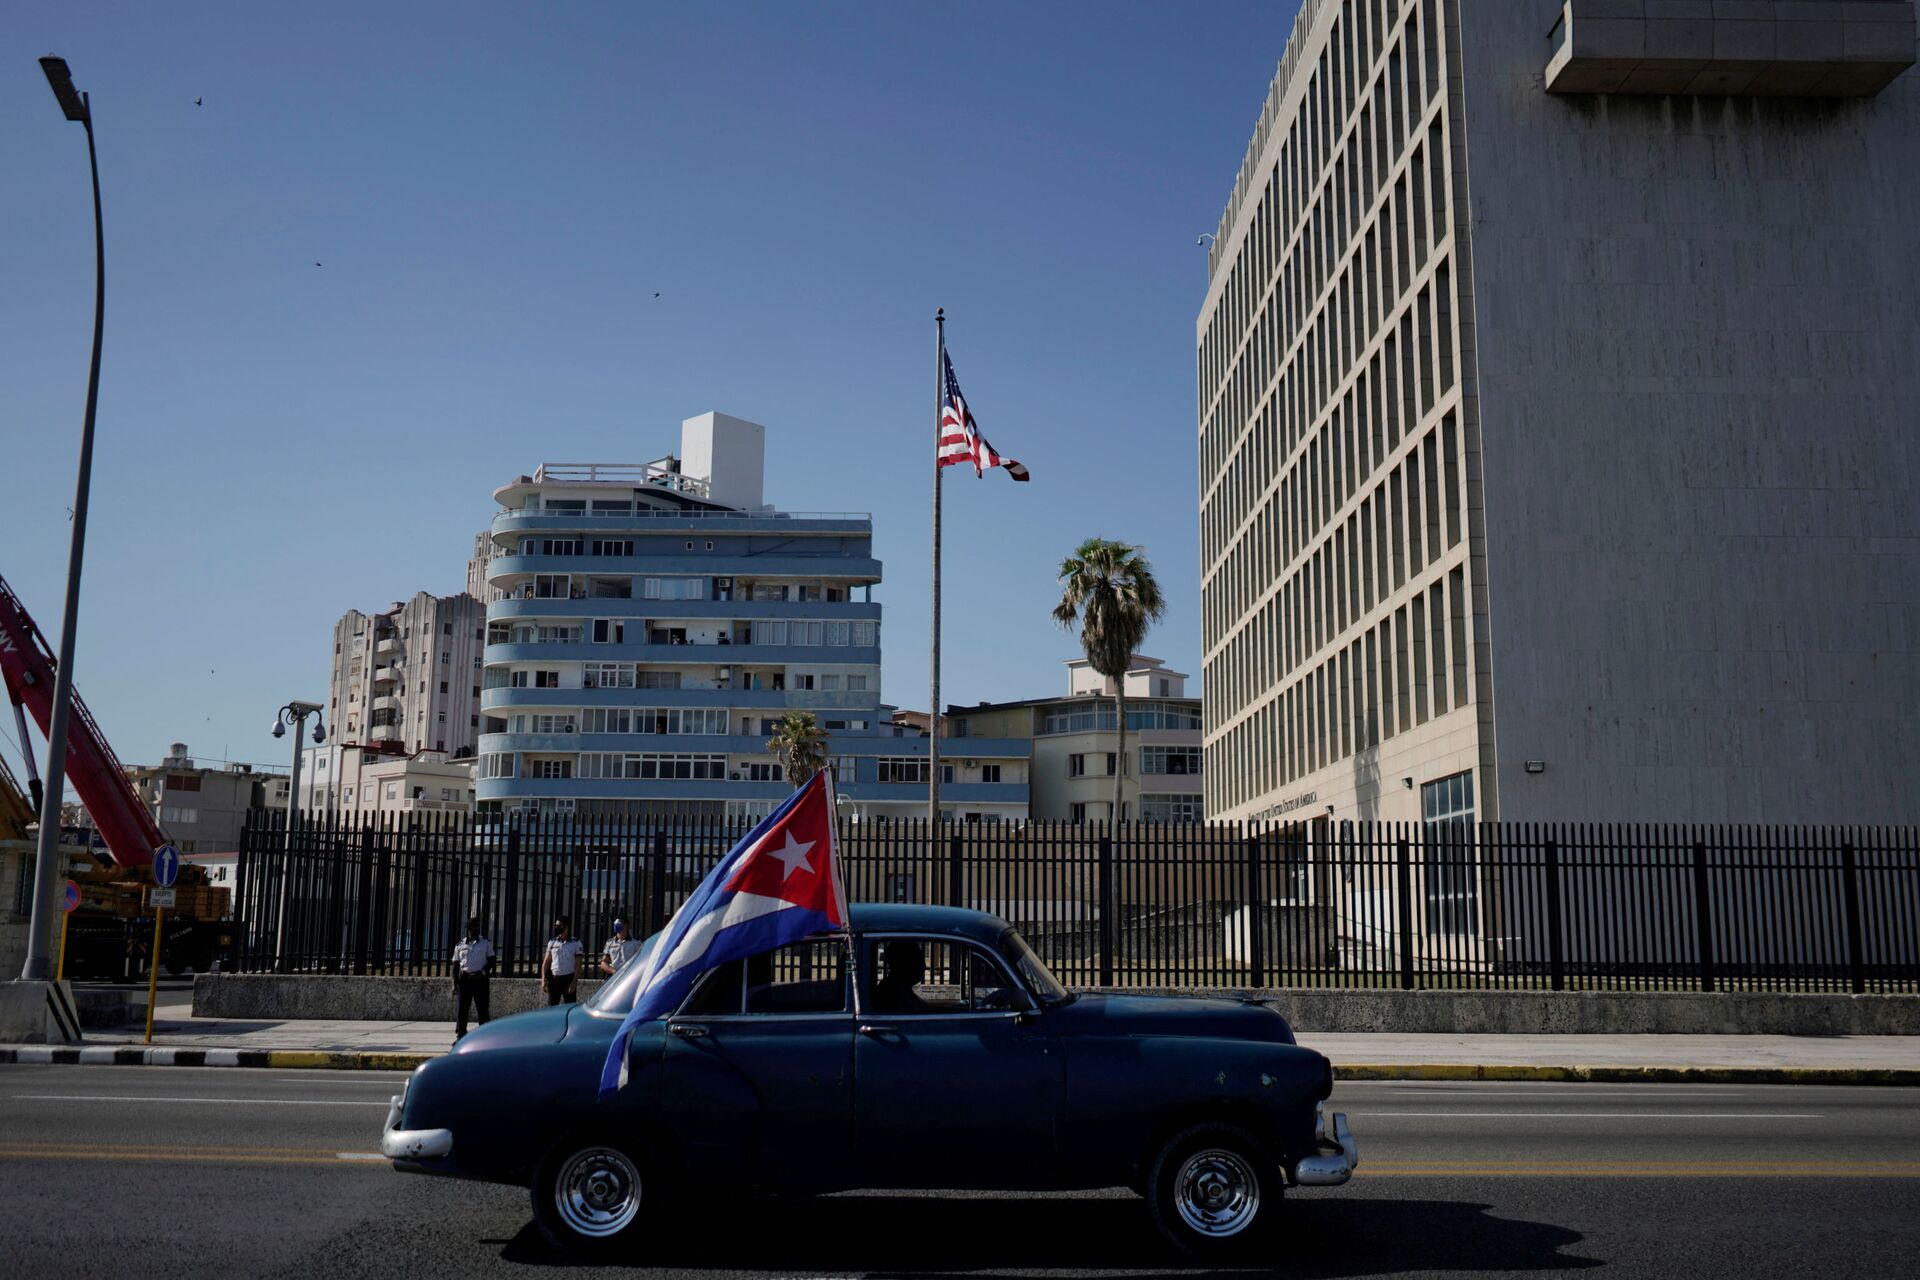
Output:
x=1126 y=1095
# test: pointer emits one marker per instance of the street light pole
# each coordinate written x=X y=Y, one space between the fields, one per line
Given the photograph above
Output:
x=39 y=965
x=295 y=713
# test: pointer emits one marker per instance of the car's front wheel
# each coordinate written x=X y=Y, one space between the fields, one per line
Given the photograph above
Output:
x=588 y=1193
x=1212 y=1189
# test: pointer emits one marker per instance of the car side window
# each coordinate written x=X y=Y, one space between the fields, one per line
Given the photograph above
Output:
x=717 y=993
x=807 y=977
x=935 y=975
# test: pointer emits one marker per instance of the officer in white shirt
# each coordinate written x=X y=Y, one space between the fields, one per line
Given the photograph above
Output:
x=618 y=948
x=472 y=965
x=560 y=967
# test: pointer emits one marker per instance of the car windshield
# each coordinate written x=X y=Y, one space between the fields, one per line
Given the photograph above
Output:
x=616 y=993
x=1033 y=971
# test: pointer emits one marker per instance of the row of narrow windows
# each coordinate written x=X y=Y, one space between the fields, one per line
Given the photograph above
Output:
x=1330 y=169
x=1412 y=666
x=1403 y=526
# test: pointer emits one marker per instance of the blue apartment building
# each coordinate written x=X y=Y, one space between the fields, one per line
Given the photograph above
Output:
x=648 y=623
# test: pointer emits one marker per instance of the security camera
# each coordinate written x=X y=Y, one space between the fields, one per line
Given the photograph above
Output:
x=279 y=730
x=319 y=733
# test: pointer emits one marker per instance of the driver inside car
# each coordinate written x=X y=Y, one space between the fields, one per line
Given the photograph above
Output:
x=904 y=966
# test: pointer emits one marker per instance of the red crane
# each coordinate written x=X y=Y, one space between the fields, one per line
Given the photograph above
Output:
x=27 y=665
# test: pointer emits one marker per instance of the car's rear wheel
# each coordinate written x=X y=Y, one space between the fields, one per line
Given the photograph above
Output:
x=588 y=1193
x=1212 y=1189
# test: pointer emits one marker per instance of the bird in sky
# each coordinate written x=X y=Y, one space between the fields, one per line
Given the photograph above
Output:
x=656 y=295
x=198 y=103
x=316 y=264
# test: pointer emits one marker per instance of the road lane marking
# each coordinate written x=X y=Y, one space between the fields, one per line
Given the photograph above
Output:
x=228 y=1102
x=332 y=1160
x=1639 y=1169
x=1591 y=1115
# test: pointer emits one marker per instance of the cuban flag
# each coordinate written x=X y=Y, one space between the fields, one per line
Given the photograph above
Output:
x=778 y=885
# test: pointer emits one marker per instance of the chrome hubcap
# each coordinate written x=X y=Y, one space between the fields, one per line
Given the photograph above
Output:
x=597 y=1191
x=1217 y=1193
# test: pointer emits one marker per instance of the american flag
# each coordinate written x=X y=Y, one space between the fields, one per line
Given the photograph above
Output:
x=960 y=438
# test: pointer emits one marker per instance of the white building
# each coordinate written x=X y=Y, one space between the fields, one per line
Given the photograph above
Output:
x=1557 y=418
x=357 y=781
x=408 y=679
x=648 y=624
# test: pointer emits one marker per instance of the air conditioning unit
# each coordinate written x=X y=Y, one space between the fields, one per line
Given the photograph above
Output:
x=726 y=673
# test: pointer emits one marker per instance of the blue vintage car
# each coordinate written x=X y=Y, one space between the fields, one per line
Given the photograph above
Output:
x=933 y=1050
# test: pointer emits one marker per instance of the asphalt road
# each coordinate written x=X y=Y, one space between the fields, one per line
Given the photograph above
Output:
x=223 y=1172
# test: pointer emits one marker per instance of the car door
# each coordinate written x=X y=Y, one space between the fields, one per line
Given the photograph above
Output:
x=757 y=1073
x=956 y=1078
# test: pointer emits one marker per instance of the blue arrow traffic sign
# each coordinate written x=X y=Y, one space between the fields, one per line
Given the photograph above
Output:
x=166 y=865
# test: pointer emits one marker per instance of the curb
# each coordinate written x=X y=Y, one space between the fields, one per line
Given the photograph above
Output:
x=126 y=1056
x=1908 y=1077
x=308 y=1059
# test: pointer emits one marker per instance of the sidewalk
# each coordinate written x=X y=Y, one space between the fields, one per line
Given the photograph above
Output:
x=183 y=1040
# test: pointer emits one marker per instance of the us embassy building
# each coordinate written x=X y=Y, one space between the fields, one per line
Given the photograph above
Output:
x=1559 y=421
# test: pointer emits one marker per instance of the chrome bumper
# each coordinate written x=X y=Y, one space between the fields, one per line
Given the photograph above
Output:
x=411 y=1144
x=1339 y=1153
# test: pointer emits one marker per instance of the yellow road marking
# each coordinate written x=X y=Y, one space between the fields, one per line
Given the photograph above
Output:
x=1640 y=1169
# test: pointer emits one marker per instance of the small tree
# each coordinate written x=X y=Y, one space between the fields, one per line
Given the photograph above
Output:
x=800 y=745
x=1108 y=591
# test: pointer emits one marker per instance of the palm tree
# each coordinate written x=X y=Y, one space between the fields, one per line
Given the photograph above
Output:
x=800 y=744
x=1109 y=592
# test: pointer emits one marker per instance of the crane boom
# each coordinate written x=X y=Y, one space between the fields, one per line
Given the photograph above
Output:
x=27 y=665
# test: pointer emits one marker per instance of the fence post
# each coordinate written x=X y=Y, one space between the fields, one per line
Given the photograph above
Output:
x=1850 y=886
x=1256 y=956
x=955 y=872
x=657 y=884
x=335 y=961
x=1405 y=894
x=1106 y=908
x=509 y=928
x=1556 y=944
x=1703 y=913
x=363 y=902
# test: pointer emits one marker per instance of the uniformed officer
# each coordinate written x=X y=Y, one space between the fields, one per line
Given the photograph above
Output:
x=618 y=948
x=472 y=967
x=560 y=966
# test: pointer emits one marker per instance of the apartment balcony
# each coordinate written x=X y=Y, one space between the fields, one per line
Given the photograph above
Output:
x=505 y=571
x=952 y=794
x=386 y=675
x=388 y=647
x=628 y=789
x=499 y=701
x=647 y=521
x=726 y=655
x=686 y=610
x=384 y=702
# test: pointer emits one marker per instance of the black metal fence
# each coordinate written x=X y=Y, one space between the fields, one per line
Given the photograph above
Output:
x=1493 y=906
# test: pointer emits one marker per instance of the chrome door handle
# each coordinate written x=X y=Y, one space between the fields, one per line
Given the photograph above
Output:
x=687 y=1030
x=878 y=1032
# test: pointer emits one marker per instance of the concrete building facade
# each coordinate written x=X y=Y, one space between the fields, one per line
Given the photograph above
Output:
x=356 y=782
x=1556 y=408
x=650 y=623
x=1074 y=746
x=203 y=810
x=408 y=679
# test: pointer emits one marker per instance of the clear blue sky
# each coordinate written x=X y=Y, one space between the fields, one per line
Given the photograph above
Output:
x=496 y=192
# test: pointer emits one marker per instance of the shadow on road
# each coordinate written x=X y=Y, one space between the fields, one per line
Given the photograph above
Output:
x=930 y=1235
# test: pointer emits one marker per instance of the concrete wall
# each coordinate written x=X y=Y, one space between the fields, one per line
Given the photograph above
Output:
x=1696 y=323
x=272 y=997
x=279 y=997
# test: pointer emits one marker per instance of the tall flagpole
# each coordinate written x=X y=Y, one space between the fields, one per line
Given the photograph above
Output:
x=933 y=705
